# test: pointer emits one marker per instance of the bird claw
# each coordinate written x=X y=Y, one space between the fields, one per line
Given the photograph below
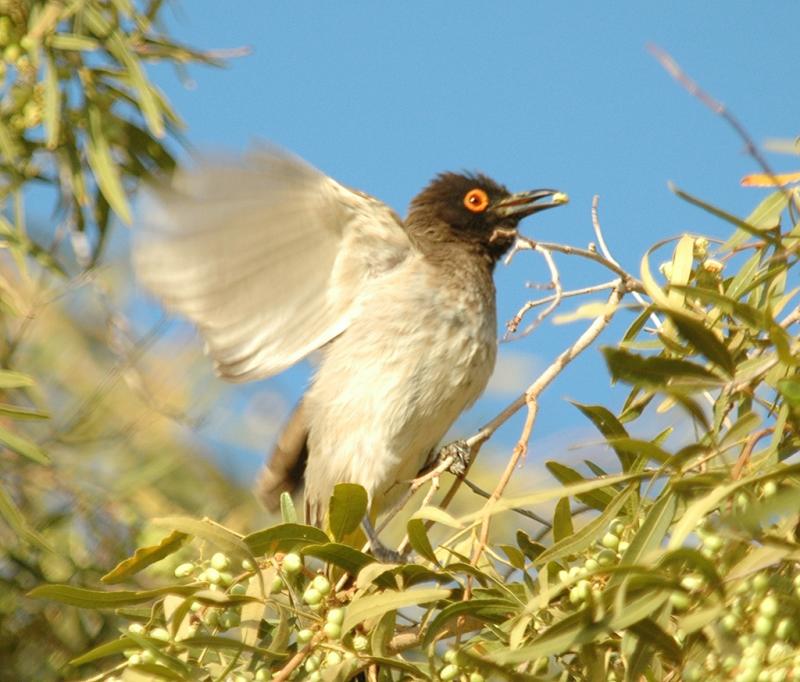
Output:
x=461 y=453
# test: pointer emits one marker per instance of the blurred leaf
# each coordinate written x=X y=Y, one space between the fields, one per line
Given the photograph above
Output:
x=51 y=113
x=790 y=389
x=562 y=520
x=17 y=412
x=437 y=515
x=144 y=557
x=12 y=515
x=217 y=643
x=284 y=538
x=418 y=539
x=94 y=599
x=371 y=606
x=348 y=504
x=104 y=167
x=649 y=631
x=206 y=529
x=72 y=41
x=288 y=512
x=681 y=272
x=23 y=446
x=11 y=379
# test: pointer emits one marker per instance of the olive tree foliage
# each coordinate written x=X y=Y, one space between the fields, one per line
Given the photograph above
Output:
x=87 y=450
x=679 y=561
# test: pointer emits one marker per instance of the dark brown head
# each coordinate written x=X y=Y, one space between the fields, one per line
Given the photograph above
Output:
x=474 y=210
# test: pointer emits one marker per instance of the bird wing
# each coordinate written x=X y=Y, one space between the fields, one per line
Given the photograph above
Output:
x=265 y=254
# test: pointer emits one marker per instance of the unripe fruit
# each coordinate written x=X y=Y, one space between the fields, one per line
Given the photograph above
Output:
x=332 y=630
x=360 y=643
x=768 y=606
x=263 y=675
x=135 y=659
x=606 y=557
x=762 y=626
x=623 y=546
x=304 y=636
x=617 y=527
x=476 y=677
x=449 y=672
x=292 y=563
x=184 y=570
x=136 y=628
x=770 y=488
x=680 y=601
x=333 y=658
x=335 y=616
x=610 y=541
x=212 y=575
x=247 y=565
x=312 y=596
x=316 y=676
x=312 y=663
x=147 y=656
x=160 y=634
x=220 y=561
x=276 y=586
x=321 y=584
x=760 y=583
x=450 y=656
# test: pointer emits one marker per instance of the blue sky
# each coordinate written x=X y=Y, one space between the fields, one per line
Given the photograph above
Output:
x=383 y=96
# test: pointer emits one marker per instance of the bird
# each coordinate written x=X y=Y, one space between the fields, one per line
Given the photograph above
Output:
x=275 y=261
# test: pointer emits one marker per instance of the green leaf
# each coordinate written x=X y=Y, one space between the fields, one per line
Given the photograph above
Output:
x=104 y=167
x=653 y=531
x=649 y=631
x=418 y=538
x=10 y=379
x=609 y=426
x=206 y=529
x=641 y=448
x=288 y=512
x=657 y=372
x=752 y=230
x=347 y=558
x=702 y=340
x=17 y=412
x=216 y=643
x=562 y=520
x=588 y=534
x=491 y=610
x=144 y=557
x=789 y=388
x=360 y=609
x=12 y=515
x=765 y=216
x=95 y=599
x=23 y=446
x=348 y=505
x=72 y=41
x=51 y=114
x=284 y=538
x=529 y=548
x=112 y=648
x=598 y=499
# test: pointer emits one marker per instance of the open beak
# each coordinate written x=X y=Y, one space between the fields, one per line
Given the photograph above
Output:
x=523 y=204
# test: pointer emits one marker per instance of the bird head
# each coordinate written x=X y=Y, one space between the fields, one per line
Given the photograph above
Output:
x=476 y=210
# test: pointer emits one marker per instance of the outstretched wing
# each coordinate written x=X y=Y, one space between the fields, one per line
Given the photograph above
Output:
x=265 y=254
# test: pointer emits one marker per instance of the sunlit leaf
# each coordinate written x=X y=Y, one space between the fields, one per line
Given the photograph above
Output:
x=348 y=504
x=374 y=605
x=144 y=557
x=95 y=599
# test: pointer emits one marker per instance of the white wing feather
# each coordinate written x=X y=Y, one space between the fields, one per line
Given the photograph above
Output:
x=266 y=255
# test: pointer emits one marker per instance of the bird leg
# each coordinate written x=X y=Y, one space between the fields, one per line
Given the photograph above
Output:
x=380 y=551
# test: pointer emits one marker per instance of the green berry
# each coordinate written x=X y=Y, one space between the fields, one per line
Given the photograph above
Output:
x=692 y=583
x=220 y=561
x=316 y=676
x=212 y=618
x=760 y=583
x=312 y=596
x=623 y=546
x=147 y=656
x=606 y=557
x=335 y=616
x=248 y=565
x=769 y=489
x=135 y=659
x=276 y=586
x=680 y=601
x=263 y=675
x=321 y=584
x=768 y=606
x=292 y=563
x=610 y=541
x=784 y=629
x=360 y=643
x=332 y=630
x=230 y=619
x=136 y=628
x=160 y=634
x=212 y=575
x=617 y=527
x=184 y=570
x=304 y=636
x=449 y=672
x=476 y=677
x=312 y=663
x=729 y=622
x=450 y=656
x=591 y=564
x=762 y=626
x=225 y=578
x=316 y=608
x=333 y=658
x=563 y=576
x=713 y=542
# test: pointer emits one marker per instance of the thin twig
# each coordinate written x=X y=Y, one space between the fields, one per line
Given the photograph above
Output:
x=555 y=284
x=672 y=68
x=531 y=396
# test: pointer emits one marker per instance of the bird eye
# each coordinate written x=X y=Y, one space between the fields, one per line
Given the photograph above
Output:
x=476 y=200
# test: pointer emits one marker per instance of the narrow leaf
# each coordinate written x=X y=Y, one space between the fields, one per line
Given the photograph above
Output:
x=23 y=446
x=94 y=599
x=104 y=167
x=347 y=508
x=360 y=609
x=144 y=557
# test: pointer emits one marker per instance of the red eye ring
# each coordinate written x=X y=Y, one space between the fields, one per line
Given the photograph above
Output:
x=476 y=200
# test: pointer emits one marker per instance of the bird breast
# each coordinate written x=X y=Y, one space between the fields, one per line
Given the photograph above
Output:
x=420 y=349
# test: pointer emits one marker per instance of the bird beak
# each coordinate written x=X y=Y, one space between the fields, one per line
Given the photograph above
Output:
x=523 y=204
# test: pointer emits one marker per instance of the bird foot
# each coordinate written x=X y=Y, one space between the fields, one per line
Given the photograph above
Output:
x=461 y=454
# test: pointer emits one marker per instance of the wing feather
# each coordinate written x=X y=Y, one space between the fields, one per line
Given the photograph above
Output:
x=265 y=254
